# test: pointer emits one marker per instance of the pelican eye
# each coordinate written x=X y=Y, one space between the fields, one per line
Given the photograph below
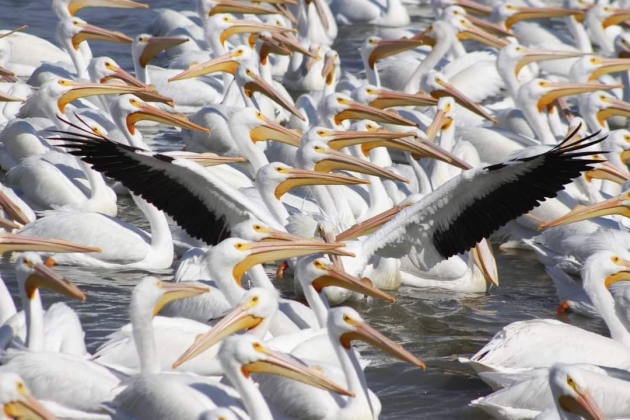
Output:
x=257 y=227
x=348 y=320
x=254 y=300
x=595 y=60
x=21 y=388
x=319 y=265
x=226 y=19
x=249 y=73
x=571 y=383
x=518 y=49
x=624 y=43
x=318 y=149
x=64 y=82
x=96 y=131
x=28 y=263
x=258 y=347
x=238 y=52
x=142 y=39
x=239 y=246
x=109 y=65
x=615 y=259
x=370 y=92
x=321 y=133
x=607 y=9
x=372 y=41
x=134 y=103
x=626 y=138
x=158 y=284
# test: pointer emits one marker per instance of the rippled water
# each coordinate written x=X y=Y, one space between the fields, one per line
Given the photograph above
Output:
x=436 y=326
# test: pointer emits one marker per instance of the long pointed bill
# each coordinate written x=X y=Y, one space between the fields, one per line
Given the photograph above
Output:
x=290 y=42
x=287 y=13
x=463 y=100
x=483 y=257
x=532 y=13
x=340 y=139
x=4 y=97
x=76 y=5
x=178 y=291
x=612 y=65
x=370 y=225
x=390 y=98
x=27 y=409
x=157 y=44
x=10 y=242
x=149 y=113
x=118 y=73
x=357 y=111
x=475 y=34
x=12 y=209
x=533 y=56
x=224 y=63
x=265 y=252
x=615 y=108
x=619 y=16
x=609 y=172
x=239 y=8
x=302 y=178
x=622 y=275
x=281 y=364
x=84 y=90
x=237 y=320
x=474 y=7
x=369 y=335
x=491 y=28
x=258 y=84
x=388 y=47
x=245 y=27
x=329 y=69
x=270 y=130
x=584 y=406
x=208 y=159
x=321 y=11
x=560 y=90
x=94 y=33
x=340 y=161
x=439 y=121
x=615 y=205
x=47 y=278
x=339 y=278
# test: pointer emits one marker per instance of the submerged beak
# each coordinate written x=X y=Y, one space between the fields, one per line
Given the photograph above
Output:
x=83 y=90
x=560 y=90
x=208 y=159
x=390 y=98
x=475 y=34
x=178 y=291
x=531 y=13
x=45 y=277
x=270 y=130
x=388 y=47
x=369 y=335
x=339 y=278
x=246 y=27
x=258 y=84
x=461 y=99
x=277 y=363
x=584 y=406
x=94 y=33
x=265 y=252
x=340 y=161
x=10 y=242
x=157 y=44
x=28 y=408
x=237 y=320
x=149 y=113
x=609 y=207
x=615 y=107
x=482 y=254
x=76 y=5
x=533 y=56
x=607 y=171
x=239 y=8
x=619 y=16
x=225 y=63
x=357 y=111
x=303 y=177
x=610 y=65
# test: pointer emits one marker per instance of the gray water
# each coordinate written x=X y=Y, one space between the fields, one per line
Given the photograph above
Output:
x=436 y=326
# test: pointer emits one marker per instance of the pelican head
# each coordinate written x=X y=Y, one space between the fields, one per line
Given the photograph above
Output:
x=145 y=47
x=466 y=30
x=77 y=30
x=332 y=66
x=384 y=98
x=130 y=109
x=569 y=388
x=436 y=84
x=17 y=402
x=516 y=56
x=245 y=354
x=150 y=295
x=322 y=158
x=604 y=105
x=342 y=107
x=607 y=15
x=622 y=45
x=226 y=25
x=345 y=325
x=577 y=4
x=32 y=273
x=257 y=231
x=255 y=307
x=510 y=14
x=281 y=178
x=104 y=69
x=590 y=68
x=241 y=255
x=261 y=128
x=605 y=268
x=374 y=48
x=455 y=11
x=227 y=63
x=317 y=272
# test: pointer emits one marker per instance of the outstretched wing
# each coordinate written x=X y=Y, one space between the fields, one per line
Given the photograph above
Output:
x=471 y=206
x=198 y=200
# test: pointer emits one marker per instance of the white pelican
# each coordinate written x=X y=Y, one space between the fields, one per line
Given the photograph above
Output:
x=348 y=12
x=17 y=402
x=505 y=353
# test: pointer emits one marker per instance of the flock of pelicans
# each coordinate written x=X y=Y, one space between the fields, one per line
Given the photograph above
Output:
x=397 y=175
